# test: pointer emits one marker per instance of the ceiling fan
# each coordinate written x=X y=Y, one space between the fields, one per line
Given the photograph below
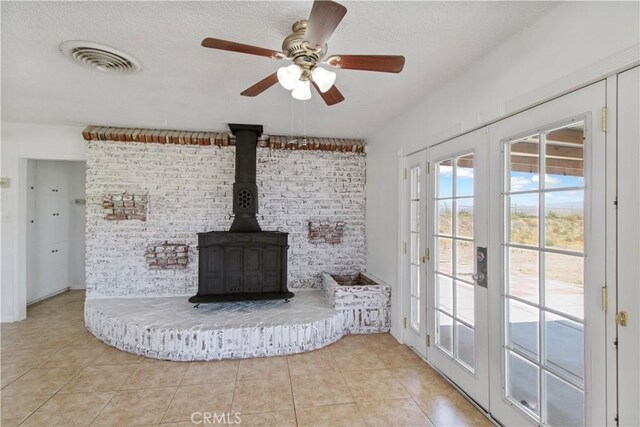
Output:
x=306 y=47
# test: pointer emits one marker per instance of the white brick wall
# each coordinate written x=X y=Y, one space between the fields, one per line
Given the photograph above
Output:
x=190 y=190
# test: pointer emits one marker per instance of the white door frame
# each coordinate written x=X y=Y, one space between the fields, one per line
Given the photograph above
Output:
x=20 y=245
x=623 y=158
x=584 y=103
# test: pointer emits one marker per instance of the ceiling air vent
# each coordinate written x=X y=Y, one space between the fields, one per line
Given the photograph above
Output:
x=100 y=57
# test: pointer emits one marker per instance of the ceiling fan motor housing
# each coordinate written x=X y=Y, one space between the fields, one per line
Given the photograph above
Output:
x=299 y=51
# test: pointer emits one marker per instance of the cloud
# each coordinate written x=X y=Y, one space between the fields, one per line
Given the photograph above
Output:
x=464 y=172
x=461 y=172
x=519 y=183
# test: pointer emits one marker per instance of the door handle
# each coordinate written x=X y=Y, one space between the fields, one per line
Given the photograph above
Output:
x=621 y=318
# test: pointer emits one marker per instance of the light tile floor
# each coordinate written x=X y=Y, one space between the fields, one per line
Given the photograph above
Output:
x=55 y=373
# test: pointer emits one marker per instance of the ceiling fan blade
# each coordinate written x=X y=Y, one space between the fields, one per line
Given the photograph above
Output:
x=323 y=20
x=261 y=86
x=383 y=63
x=332 y=96
x=241 y=48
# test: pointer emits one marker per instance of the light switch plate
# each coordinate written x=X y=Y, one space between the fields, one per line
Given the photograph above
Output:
x=5 y=182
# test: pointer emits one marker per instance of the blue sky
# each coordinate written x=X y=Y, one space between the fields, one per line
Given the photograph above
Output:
x=561 y=201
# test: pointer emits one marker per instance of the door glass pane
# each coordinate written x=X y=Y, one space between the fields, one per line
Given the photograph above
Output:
x=415 y=248
x=445 y=332
x=563 y=288
x=415 y=313
x=415 y=216
x=414 y=191
x=445 y=293
x=523 y=219
x=415 y=281
x=523 y=383
x=464 y=217
x=465 y=344
x=523 y=274
x=524 y=164
x=445 y=178
x=465 y=301
x=564 y=220
x=565 y=403
x=445 y=218
x=444 y=256
x=523 y=328
x=465 y=260
x=564 y=157
x=565 y=346
x=464 y=176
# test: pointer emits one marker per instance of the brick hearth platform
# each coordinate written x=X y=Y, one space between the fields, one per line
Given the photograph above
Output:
x=171 y=328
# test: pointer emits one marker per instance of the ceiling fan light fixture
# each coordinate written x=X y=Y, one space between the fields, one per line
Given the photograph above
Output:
x=289 y=76
x=302 y=90
x=323 y=78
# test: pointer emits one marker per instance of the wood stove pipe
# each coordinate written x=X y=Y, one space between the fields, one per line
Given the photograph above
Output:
x=245 y=190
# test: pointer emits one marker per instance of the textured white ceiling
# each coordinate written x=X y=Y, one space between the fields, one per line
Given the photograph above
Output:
x=185 y=86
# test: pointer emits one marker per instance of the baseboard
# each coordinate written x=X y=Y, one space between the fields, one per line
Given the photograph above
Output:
x=52 y=294
x=77 y=288
x=396 y=334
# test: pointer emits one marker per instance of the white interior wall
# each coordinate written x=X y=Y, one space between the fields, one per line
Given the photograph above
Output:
x=22 y=141
x=77 y=257
x=574 y=44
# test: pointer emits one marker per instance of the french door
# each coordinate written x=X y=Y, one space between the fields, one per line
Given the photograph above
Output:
x=546 y=263
x=457 y=277
x=415 y=332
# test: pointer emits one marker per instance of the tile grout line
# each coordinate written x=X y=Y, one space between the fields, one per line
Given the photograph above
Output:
x=411 y=395
x=293 y=400
x=50 y=397
x=114 y=395
x=17 y=378
x=348 y=388
x=164 y=414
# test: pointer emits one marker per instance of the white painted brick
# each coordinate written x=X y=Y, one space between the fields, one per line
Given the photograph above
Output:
x=190 y=191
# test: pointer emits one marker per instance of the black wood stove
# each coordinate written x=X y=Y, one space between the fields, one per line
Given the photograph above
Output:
x=244 y=263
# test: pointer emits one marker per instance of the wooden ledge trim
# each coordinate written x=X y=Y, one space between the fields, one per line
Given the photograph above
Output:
x=220 y=139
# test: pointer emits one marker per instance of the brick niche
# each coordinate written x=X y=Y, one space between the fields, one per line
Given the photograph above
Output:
x=167 y=256
x=325 y=232
x=125 y=206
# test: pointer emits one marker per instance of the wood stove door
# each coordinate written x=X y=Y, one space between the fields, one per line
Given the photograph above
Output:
x=252 y=269
x=233 y=263
x=211 y=272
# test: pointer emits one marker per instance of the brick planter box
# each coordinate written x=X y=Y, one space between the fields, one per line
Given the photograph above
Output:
x=364 y=300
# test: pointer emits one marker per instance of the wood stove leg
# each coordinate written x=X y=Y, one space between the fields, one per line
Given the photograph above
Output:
x=196 y=306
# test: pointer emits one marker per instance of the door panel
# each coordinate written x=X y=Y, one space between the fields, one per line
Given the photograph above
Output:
x=414 y=252
x=547 y=210
x=457 y=229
